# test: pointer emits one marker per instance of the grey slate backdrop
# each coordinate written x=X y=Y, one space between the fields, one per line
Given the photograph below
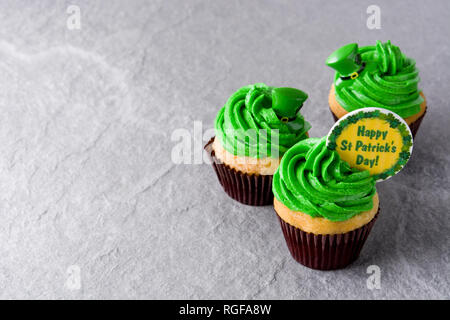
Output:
x=86 y=173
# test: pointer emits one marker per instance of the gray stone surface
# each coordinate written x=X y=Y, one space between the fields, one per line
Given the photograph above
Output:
x=87 y=182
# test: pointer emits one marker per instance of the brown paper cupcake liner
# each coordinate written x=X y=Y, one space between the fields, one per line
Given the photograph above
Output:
x=325 y=251
x=416 y=124
x=413 y=126
x=249 y=189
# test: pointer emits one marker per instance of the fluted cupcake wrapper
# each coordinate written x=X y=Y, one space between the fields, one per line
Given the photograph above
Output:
x=414 y=127
x=325 y=251
x=249 y=189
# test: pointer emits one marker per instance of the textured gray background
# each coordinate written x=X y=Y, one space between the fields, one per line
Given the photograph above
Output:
x=85 y=132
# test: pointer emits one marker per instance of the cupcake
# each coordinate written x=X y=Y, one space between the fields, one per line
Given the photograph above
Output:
x=257 y=125
x=376 y=76
x=326 y=209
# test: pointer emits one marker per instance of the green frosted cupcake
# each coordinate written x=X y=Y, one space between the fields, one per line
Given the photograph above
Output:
x=326 y=209
x=257 y=125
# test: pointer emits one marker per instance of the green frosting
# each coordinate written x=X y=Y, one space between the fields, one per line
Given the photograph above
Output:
x=314 y=180
x=389 y=80
x=254 y=122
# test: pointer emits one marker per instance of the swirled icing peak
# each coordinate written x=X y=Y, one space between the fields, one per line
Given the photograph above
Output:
x=314 y=180
x=383 y=77
x=390 y=58
x=261 y=121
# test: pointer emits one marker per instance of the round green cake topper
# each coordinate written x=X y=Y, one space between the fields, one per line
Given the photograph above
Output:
x=373 y=139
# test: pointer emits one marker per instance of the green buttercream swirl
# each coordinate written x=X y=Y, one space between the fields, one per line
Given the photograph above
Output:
x=314 y=180
x=248 y=126
x=389 y=80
